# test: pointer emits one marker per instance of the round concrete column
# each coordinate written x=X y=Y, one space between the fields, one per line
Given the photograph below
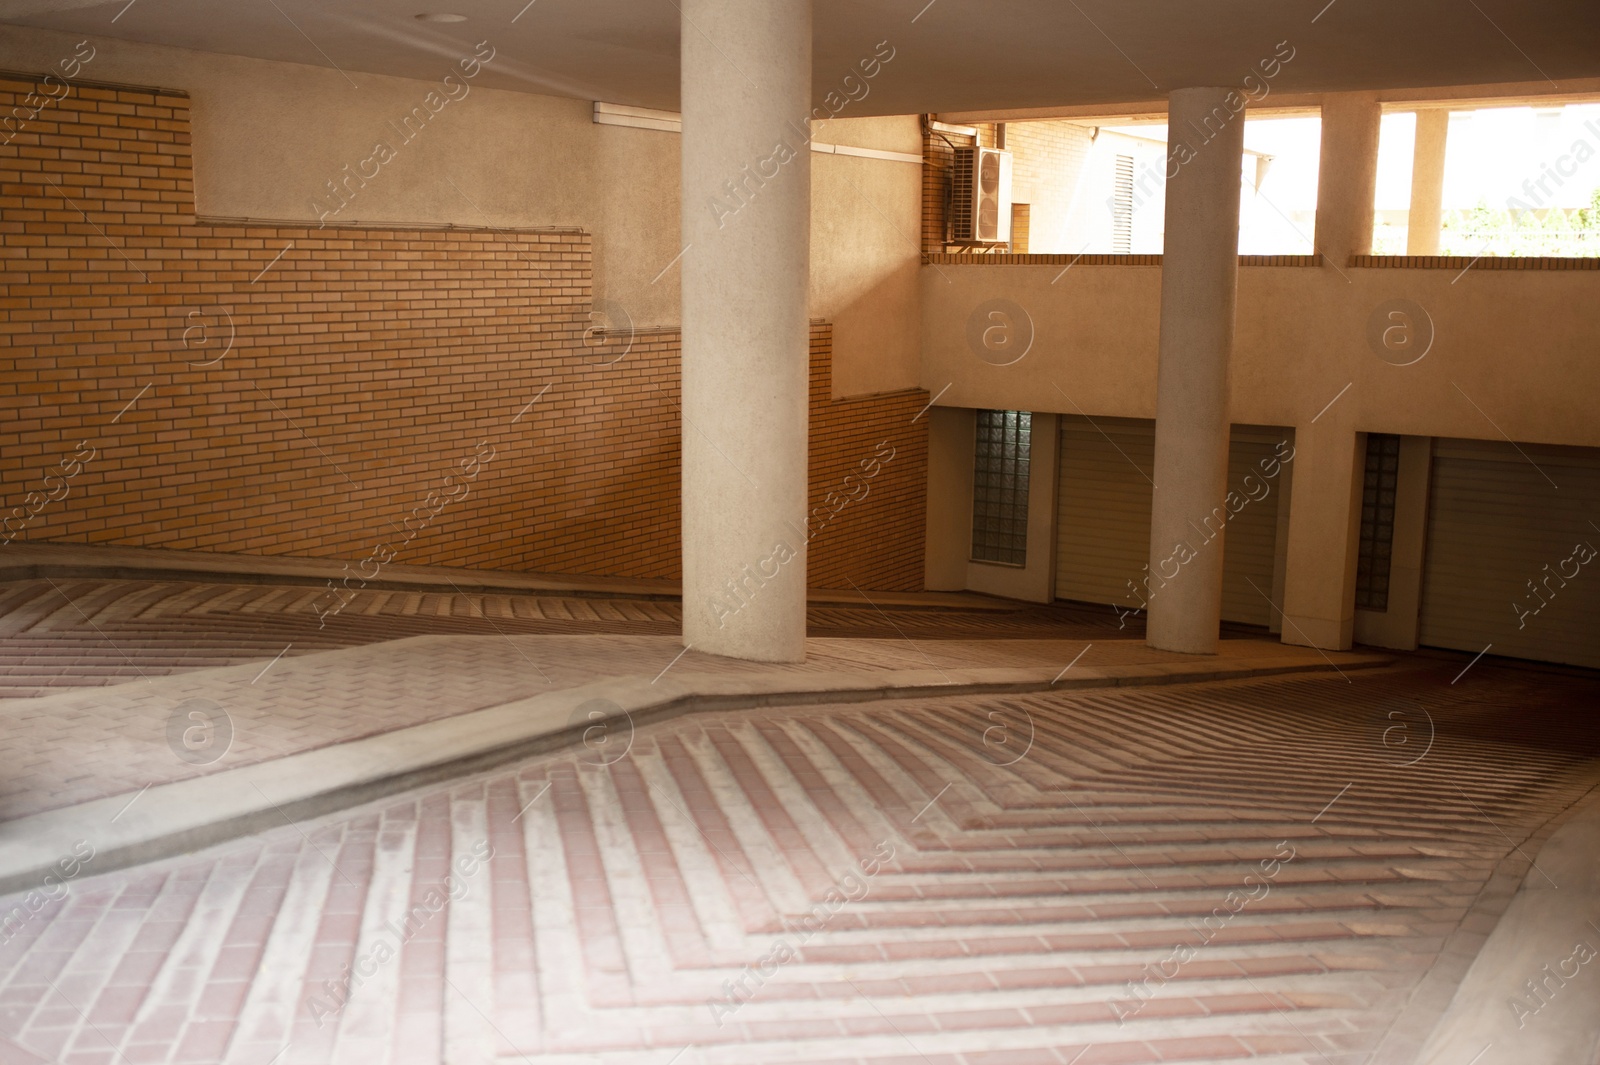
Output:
x=746 y=332
x=1199 y=277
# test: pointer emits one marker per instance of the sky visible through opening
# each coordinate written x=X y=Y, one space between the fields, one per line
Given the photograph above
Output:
x=1495 y=160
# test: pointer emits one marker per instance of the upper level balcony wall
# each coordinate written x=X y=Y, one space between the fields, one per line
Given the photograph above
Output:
x=1497 y=349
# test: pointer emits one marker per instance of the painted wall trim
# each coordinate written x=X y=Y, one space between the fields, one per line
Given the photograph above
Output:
x=866 y=153
x=304 y=223
x=672 y=122
x=89 y=83
x=637 y=117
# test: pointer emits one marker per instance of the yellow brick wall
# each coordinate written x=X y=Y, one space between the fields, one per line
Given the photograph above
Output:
x=350 y=392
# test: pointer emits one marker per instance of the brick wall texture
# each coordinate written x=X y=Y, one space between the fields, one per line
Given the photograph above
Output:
x=1046 y=158
x=1047 y=172
x=423 y=396
x=938 y=158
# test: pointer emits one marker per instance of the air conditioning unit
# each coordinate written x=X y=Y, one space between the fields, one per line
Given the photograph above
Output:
x=980 y=209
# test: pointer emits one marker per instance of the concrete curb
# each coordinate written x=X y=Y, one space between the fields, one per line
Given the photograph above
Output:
x=1543 y=953
x=170 y=819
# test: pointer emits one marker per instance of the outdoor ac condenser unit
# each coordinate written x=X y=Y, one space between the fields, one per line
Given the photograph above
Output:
x=980 y=209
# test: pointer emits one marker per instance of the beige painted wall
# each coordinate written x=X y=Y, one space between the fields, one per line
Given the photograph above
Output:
x=865 y=259
x=267 y=136
x=1511 y=348
x=900 y=133
x=1511 y=353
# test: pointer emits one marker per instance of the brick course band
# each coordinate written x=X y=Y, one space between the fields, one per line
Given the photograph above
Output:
x=1066 y=259
x=1482 y=262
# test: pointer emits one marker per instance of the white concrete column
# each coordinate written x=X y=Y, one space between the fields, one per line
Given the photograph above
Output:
x=746 y=78
x=1347 y=175
x=1199 y=277
x=1427 y=182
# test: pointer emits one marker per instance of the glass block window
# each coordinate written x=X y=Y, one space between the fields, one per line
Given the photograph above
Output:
x=1377 y=521
x=1000 y=487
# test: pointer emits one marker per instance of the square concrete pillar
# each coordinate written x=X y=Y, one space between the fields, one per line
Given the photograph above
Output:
x=952 y=434
x=1199 y=285
x=1347 y=175
x=1324 y=536
x=1425 y=215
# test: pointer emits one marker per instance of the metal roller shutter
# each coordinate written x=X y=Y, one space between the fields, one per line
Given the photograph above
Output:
x=1103 y=508
x=1503 y=565
x=1103 y=515
x=1252 y=534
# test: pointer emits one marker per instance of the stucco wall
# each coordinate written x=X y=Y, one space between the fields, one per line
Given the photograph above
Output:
x=1049 y=160
x=864 y=267
x=1513 y=349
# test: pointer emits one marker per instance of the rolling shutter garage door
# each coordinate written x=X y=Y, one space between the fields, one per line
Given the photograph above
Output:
x=1496 y=523
x=1103 y=515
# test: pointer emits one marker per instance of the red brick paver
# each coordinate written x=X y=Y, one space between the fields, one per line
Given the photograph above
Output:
x=62 y=633
x=722 y=892
x=87 y=742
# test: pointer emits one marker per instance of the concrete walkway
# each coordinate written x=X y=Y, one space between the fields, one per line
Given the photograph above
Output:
x=173 y=762
x=1533 y=992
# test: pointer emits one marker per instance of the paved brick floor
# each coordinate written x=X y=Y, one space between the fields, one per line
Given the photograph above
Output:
x=99 y=669
x=81 y=744
x=1004 y=881
x=65 y=632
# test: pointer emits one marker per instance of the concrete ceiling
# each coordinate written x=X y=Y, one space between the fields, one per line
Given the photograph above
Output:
x=950 y=55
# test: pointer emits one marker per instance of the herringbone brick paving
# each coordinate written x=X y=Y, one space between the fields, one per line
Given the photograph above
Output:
x=83 y=744
x=1256 y=869
x=57 y=633
x=109 y=663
